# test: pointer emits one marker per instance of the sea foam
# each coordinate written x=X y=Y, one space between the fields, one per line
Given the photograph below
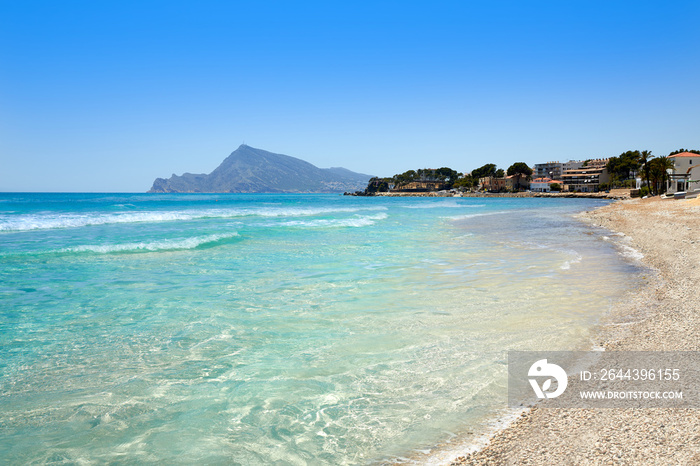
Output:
x=450 y=204
x=151 y=246
x=466 y=216
x=358 y=221
x=30 y=222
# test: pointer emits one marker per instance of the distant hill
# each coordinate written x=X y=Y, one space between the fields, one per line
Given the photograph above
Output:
x=250 y=170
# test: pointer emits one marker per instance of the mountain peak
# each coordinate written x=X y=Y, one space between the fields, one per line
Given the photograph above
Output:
x=251 y=170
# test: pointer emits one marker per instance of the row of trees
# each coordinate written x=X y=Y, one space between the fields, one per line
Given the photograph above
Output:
x=654 y=170
x=692 y=151
x=622 y=169
x=471 y=180
x=444 y=175
x=449 y=177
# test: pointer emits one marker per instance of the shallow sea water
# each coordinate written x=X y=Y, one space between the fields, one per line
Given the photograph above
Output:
x=289 y=329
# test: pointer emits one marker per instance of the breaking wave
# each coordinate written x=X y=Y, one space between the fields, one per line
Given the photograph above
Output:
x=442 y=204
x=576 y=259
x=630 y=253
x=151 y=246
x=363 y=221
x=466 y=216
x=46 y=222
x=624 y=249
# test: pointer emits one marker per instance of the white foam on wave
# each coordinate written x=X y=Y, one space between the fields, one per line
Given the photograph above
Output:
x=567 y=264
x=162 y=245
x=448 y=453
x=359 y=221
x=304 y=212
x=52 y=221
x=466 y=216
x=442 y=204
x=622 y=243
x=630 y=253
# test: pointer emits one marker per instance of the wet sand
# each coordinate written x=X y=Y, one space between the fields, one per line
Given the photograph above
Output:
x=662 y=315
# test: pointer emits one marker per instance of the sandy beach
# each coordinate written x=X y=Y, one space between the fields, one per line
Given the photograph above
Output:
x=662 y=315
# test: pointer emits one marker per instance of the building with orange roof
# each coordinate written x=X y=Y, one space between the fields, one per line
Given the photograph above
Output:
x=492 y=184
x=516 y=183
x=686 y=172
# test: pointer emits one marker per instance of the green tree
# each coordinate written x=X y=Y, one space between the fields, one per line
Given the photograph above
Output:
x=464 y=182
x=486 y=170
x=656 y=175
x=500 y=173
x=665 y=164
x=623 y=167
x=659 y=172
x=377 y=185
x=447 y=176
x=405 y=177
x=520 y=170
x=692 y=151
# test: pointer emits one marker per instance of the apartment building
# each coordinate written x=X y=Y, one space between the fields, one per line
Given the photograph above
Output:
x=588 y=177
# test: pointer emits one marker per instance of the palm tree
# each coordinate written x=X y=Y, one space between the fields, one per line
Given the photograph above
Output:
x=666 y=164
x=645 y=159
x=656 y=175
x=659 y=168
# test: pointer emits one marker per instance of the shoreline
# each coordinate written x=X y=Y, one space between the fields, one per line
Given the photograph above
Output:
x=662 y=315
x=616 y=194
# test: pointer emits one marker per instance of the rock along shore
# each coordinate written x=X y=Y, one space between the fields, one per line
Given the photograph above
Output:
x=663 y=315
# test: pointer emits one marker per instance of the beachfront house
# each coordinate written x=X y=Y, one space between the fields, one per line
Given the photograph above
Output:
x=492 y=184
x=516 y=183
x=587 y=178
x=686 y=172
x=543 y=185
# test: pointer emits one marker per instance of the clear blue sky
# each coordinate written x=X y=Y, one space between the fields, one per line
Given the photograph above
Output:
x=108 y=95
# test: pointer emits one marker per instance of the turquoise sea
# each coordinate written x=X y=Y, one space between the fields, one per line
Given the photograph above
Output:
x=280 y=329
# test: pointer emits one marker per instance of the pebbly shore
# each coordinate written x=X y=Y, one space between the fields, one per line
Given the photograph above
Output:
x=663 y=315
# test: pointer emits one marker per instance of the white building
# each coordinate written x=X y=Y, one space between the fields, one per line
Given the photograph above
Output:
x=547 y=170
x=554 y=170
x=571 y=165
x=543 y=185
x=686 y=172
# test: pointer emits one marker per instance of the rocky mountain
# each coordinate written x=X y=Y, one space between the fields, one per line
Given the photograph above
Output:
x=250 y=170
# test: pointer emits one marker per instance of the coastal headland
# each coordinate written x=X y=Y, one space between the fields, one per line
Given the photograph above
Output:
x=662 y=315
